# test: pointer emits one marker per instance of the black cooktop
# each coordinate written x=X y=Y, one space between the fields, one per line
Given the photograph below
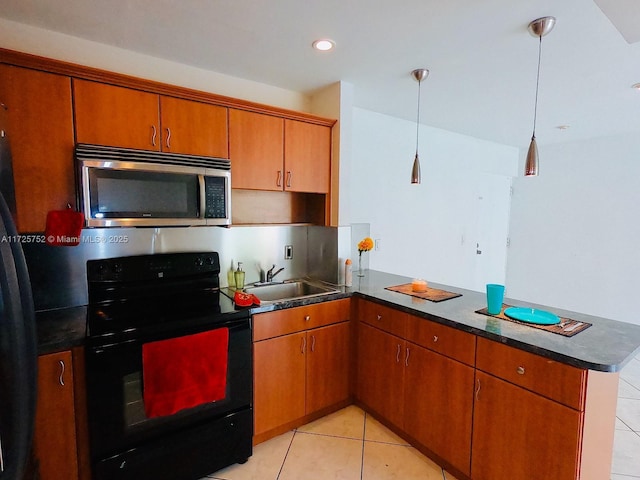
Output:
x=143 y=295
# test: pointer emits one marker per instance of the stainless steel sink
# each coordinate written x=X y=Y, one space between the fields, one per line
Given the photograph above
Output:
x=289 y=290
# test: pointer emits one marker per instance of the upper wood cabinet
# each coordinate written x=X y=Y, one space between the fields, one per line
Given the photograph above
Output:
x=307 y=157
x=40 y=132
x=193 y=127
x=124 y=117
x=256 y=150
x=271 y=153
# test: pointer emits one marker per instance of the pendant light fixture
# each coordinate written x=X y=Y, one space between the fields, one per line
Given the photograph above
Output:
x=538 y=28
x=419 y=75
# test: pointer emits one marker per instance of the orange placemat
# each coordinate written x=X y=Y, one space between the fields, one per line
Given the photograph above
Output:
x=432 y=294
x=567 y=326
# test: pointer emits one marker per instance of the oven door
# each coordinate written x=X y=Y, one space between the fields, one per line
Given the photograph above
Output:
x=117 y=418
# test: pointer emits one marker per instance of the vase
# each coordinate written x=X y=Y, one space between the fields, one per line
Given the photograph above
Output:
x=360 y=271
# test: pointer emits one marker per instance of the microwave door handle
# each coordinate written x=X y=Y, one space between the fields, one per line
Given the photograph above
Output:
x=203 y=195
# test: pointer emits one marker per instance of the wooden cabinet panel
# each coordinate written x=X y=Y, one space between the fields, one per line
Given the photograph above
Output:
x=116 y=116
x=328 y=366
x=279 y=381
x=256 y=150
x=448 y=341
x=438 y=405
x=54 y=440
x=518 y=435
x=307 y=157
x=297 y=319
x=40 y=132
x=380 y=383
x=384 y=318
x=560 y=382
x=193 y=128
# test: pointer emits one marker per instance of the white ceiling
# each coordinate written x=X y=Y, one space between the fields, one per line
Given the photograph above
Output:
x=481 y=57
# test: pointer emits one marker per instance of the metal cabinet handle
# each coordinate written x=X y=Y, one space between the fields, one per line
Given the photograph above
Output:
x=154 y=133
x=520 y=370
x=398 y=354
x=168 y=137
x=307 y=318
x=406 y=358
x=478 y=389
x=289 y=178
x=435 y=338
x=61 y=378
x=1 y=456
x=303 y=344
x=279 y=180
x=313 y=343
x=379 y=317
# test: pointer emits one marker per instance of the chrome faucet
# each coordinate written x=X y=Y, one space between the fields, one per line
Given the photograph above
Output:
x=271 y=273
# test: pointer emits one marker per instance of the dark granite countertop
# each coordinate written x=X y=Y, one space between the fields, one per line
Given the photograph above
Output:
x=605 y=346
x=61 y=329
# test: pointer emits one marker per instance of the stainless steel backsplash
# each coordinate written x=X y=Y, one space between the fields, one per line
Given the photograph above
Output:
x=58 y=274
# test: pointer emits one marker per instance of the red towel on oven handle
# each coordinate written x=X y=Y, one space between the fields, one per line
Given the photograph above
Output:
x=184 y=372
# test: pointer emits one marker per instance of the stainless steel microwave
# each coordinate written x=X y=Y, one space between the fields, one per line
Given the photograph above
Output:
x=136 y=188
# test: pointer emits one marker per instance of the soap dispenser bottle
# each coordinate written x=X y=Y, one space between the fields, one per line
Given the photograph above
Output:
x=239 y=277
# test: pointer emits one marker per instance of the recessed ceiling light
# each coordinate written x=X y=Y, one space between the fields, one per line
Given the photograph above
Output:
x=636 y=86
x=324 y=44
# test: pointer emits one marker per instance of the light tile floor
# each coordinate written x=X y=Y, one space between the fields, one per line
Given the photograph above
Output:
x=346 y=445
x=626 y=445
x=350 y=445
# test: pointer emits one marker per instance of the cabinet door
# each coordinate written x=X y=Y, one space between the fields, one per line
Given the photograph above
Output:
x=327 y=366
x=193 y=128
x=380 y=384
x=116 y=116
x=40 y=132
x=307 y=157
x=279 y=381
x=54 y=440
x=519 y=435
x=438 y=405
x=256 y=150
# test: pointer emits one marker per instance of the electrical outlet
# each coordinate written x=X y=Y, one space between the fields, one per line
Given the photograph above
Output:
x=288 y=252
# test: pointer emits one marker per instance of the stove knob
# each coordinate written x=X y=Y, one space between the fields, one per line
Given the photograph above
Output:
x=199 y=261
x=209 y=260
x=117 y=267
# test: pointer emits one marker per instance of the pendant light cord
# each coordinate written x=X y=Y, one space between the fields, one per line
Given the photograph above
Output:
x=535 y=108
x=418 y=118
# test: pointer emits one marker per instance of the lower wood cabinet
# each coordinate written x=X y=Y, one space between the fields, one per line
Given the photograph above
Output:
x=423 y=393
x=380 y=384
x=301 y=365
x=519 y=434
x=438 y=405
x=54 y=443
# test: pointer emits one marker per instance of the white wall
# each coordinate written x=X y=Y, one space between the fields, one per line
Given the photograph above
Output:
x=575 y=229
x=37 y=41
x=431 y=230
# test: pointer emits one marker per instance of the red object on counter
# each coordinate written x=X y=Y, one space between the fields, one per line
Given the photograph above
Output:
x=184 y=372
x=242 y=299
x=63 y=228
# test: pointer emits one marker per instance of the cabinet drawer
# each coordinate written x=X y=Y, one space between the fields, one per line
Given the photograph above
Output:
x=448 y=341
x=557 y=381
x=297 y=319
x=384 y=318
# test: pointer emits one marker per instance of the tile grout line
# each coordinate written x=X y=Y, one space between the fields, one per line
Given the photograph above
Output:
x=286 y=454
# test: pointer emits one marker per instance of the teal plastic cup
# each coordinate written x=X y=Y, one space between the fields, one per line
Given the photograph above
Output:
x=495 y=295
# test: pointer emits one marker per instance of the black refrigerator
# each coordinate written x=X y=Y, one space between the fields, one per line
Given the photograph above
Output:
x=18 y=346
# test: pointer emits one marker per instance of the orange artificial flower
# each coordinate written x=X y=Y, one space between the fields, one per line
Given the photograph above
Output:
x=365 y=244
